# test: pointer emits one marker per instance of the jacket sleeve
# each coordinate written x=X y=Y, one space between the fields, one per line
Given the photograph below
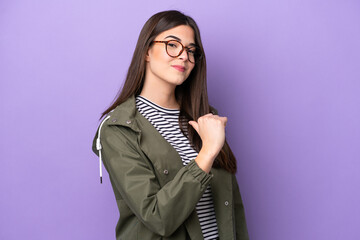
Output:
x=240 y=221
x=161 y=209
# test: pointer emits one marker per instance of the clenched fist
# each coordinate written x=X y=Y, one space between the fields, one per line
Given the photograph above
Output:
x=211 y=129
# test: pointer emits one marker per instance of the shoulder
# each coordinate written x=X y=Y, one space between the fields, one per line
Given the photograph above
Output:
x=118 y=123
x=96 y=140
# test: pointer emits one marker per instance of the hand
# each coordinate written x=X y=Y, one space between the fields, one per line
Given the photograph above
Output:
x=211 y=129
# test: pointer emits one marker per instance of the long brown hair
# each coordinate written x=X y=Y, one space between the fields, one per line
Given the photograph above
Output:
x=191 y=94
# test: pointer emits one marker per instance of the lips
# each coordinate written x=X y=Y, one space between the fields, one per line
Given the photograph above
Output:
x=179 y=68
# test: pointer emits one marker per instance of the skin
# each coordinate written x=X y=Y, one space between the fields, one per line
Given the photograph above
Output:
x=161 y=78
x=159 y=86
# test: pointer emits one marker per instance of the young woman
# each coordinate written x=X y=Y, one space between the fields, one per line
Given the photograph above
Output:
x=164 y=147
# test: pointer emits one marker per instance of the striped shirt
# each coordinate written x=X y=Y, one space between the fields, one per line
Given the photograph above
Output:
x=166 y=122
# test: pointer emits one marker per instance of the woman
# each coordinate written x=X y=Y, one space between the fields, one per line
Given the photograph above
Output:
x=164 y=147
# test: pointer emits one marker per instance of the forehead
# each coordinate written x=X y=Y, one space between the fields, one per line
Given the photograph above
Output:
x=183 y=32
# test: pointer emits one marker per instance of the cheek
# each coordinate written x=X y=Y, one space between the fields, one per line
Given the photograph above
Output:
x=160 y=62
x=160 y=55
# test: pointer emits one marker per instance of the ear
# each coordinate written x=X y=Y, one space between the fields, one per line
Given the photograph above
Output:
x=147 y=57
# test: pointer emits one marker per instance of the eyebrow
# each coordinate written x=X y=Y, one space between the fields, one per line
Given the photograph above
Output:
x=172 y=36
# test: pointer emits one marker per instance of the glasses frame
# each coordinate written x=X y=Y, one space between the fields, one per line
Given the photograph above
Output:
x=183 y=47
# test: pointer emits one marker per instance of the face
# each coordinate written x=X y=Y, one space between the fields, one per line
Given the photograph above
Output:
x=173 y=70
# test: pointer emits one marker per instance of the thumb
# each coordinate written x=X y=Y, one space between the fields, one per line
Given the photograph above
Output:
x=195 y=125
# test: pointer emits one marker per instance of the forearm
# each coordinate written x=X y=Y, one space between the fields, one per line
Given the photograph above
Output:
x=164 y=209
x=205 y=159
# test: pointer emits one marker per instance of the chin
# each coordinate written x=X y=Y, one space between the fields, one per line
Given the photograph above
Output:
x=177 y=81
x=180 y=82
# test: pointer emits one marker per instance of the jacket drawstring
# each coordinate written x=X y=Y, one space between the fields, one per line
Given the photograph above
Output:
x=99 y=147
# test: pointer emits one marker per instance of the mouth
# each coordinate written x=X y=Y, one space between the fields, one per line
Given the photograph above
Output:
x=179 y=68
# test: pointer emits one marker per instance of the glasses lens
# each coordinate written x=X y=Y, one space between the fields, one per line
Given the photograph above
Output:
x=193 y=54
x=174 y=48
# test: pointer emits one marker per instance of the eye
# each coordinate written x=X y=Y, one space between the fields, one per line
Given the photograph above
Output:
x=173 y=44
x=192 y=51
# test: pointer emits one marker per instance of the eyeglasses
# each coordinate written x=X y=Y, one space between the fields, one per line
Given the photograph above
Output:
x=175 y=48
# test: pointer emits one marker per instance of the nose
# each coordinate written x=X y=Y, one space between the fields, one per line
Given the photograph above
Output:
x=184 y=55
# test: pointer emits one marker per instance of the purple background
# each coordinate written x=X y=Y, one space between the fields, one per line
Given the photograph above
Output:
x=285 y=73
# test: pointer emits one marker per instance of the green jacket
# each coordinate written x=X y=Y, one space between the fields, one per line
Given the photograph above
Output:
x=156 y=195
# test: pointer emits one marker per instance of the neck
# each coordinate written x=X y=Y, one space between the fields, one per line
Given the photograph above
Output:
x=162 y=99
x=160 y=92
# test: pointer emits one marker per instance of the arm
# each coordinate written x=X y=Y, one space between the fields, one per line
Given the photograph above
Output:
x=161 y=209
x=240 y=221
